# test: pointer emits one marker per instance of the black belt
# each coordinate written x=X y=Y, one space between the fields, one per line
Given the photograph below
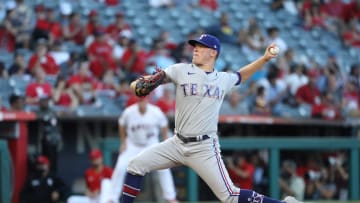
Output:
x=192 y=139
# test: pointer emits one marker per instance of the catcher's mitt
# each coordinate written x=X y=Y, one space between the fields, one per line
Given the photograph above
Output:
x=146 y=84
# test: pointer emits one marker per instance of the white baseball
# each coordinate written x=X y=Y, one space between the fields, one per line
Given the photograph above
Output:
x=274 y=50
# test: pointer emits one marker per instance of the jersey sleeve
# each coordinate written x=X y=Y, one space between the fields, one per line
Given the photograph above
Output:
x=233 y=79
x=172 y=72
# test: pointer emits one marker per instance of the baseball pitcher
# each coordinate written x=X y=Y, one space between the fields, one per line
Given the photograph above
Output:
x=200 y=91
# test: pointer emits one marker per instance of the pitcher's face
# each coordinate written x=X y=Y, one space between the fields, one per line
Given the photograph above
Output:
x=203 y=55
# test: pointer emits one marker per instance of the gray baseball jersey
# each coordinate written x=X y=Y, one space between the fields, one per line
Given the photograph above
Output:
x=198 y=99
x=199 y=96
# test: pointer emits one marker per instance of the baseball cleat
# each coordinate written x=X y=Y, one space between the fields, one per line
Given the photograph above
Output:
x=290 y=199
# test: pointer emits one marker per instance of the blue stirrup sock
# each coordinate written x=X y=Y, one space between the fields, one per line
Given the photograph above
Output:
x=131 y=188
x=249 y=196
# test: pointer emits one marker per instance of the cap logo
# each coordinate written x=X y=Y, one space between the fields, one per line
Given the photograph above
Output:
x=202 y=36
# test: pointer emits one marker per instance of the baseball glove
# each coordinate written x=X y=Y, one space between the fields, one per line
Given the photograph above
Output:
x=146 y=84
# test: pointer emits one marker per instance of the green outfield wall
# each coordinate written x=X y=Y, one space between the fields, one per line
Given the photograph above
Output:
x=275 y=146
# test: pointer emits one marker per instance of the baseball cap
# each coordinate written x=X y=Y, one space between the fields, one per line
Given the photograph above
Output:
x=208 y=41
x=95 y=154
x=42 y=160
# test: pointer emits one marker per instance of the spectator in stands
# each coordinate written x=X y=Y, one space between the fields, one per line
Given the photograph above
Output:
x=309 y=93
x=260 y=105
x=13 y=34
x=166 y=40
x=93 y=23
x=58 y=53
x=83 y=84
x=254 y=41
x=160 y=58
x=275 y=90
x=3 y=71
x=74 y=31
x=54 y=27
x=115 y=29
x=212 y=5
x=354 y=74
x=18 y=67
x=314 y=17
x=351 y=36
x=351 y=11
x=43 y=60
x=40 y=30
x=288 y=5
x=96 y=174
x=122 y=42
x=183 y=51
x=38 y=88
x=235 y=104
x=167 y=101
x=64 y=95
x=69 y=67
x=16 y=102
x=320 y=186
x=340 y=172
x=296 y=78
x=241 y=171
x=290 y=183
x=108 y=86
x=286 y=62
x=273 y=36
x=43 y=186
x=222 y=30
x=133 y=60
x=333 y=10
x=350 y=99
x=100 y=54
x=25 y=14
x=326 y=109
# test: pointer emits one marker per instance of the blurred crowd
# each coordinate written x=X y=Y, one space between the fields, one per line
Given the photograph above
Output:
x=320 y=176
x=75 y=62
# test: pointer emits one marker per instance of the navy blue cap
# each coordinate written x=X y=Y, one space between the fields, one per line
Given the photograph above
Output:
x=208 y=41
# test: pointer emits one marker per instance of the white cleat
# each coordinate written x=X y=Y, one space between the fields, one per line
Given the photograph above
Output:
x=290 y=199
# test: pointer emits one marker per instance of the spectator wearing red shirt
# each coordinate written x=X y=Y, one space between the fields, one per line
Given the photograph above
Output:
x=43 y=59
x=118 y=26
x=37 y=89
x=241 y=171
x=133 y=60
x=83 y=84
x=54 y=28
x=167 y=102
x=351 y=11
x=100 y=53
x=93 y=23
x=326 y=109
x=209 y=4
x=41 y=25
x=351 y=36
x=63 y=95
x=74 y=31
x=96 y=173
x=108 y=86
x=351 y=99
x=309 y=93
